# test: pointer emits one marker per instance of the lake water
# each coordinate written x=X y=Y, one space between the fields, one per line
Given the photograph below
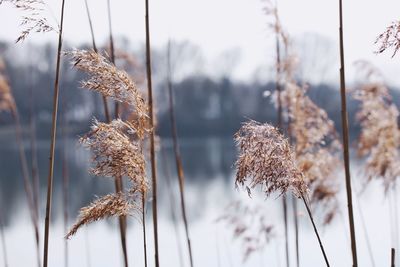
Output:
x=209 y=190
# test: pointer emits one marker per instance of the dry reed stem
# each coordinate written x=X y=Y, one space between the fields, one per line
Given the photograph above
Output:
x=144 y=228
x=271 y=10
x=118 y=180
x=53 y=141
x=345 y=136
x=178 y=160
x=3 y=243
x=105 y=104
x=34 y=154
x=65 y=184
x=172 y=202
x=152 y=134
x=392 y=257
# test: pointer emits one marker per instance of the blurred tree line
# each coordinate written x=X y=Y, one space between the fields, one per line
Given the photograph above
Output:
x=205 y=105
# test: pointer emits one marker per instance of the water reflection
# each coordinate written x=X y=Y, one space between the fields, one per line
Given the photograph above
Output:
x=209 y=188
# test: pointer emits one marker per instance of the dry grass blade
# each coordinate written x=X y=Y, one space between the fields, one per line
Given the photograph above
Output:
x=109 y=81
x=379 y=139
x=266 y=159
x=112 y=205
x=389 y=39
x=115 y=154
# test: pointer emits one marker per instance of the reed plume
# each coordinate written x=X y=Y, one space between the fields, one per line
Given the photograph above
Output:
x=117 y=145
x=316 y=147
x=379 y=140
x=33 y=18
x=114 y=153
x=389 y=39
x=249 y=226
x=106 y=79
x=118 y=180
x=112 y=205
x=266 y=160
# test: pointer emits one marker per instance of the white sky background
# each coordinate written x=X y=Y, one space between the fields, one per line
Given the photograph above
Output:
x=218 y=26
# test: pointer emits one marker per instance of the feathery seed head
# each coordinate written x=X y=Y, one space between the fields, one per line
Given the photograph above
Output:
x=112 y=205
x=249 y=226
x=389 y=39
x=379 y=139
x=266 y=159
x=109 y=81
x=34 y=20
x=115 y=153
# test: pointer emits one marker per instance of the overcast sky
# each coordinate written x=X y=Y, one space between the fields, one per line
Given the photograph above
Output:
x=218 y=26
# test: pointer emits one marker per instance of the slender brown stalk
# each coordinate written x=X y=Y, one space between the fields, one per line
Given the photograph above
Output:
x=53 y=142
x=152 y=134
x=345 y=129
x=105 y=104
x=364 y=226
x=112 y=51
x=34 y=159
x=315 y=230
x=118 y=180
x=122 y=222
x=392 y=258
x=3 y=243
x=179 y=167
x=174 y=216
x=144 y=228
x=285 y=219
x=91 y=26
x=296 y=230
x=279 y=123
x=27 y=182
x=65 y=186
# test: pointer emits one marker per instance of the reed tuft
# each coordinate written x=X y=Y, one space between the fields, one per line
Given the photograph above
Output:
x=317 y=148
x=389 y=39
x=112 y=205
x=266 y=159
x=379 y=139
x=34 y=19
x=106 y=79
x=115 y=153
